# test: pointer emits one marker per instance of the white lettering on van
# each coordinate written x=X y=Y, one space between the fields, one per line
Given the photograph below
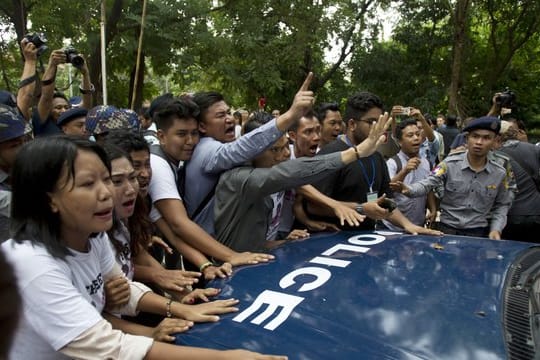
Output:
x=286 y=303
x=274 y=300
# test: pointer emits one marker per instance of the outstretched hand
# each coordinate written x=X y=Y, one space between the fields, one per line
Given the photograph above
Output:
x=29 y=50
x=249 y=258
x=200 y=295
x=209 y=311
x=347 y=215
x=399 y=186
x=375 y=137
x=166 y=329
x=215 y=271
x=57 y=57
x=302 y=103
x=117 y=292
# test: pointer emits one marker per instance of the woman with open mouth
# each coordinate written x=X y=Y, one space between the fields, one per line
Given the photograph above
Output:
x=62 y=206
x=129 y=236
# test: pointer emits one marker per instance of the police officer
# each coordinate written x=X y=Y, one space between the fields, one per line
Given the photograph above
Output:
x=472 y=185
x=12 y=137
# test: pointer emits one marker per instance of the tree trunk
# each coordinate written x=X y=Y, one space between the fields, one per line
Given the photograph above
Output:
x=137 y=101
x=19 y=18
x=461 y=24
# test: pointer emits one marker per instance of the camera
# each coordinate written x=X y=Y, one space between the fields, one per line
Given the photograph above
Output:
x=39 y=40
x=388 y=204
x=405 y=111
x=73 y=57
x=507 y=99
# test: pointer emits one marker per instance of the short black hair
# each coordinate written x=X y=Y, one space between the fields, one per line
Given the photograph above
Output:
x=451 y=120
x=128 y=140
x=205 y=99
x=360 y=103
x=38 y=167
x=257 y=119
x=323 y=108
x=310 y=114
x=58 y=94
x=157 y=103
x=114 y=151
x=175 y=108
x=402 y=125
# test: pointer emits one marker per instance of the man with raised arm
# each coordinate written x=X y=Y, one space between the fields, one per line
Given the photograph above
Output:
x=219 y=151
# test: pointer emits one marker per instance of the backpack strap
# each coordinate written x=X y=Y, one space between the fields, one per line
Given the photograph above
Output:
x=398 y=163
x=205 y=202
x=179 y=173
x=180 y=177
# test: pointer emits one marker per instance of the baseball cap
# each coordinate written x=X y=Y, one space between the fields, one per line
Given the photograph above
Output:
x=12 y=124
x=70 y=115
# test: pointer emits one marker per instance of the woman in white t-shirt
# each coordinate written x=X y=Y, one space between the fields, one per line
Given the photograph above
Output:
x=61 y=206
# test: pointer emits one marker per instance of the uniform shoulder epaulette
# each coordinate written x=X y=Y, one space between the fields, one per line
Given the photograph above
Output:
x=498 y=155
x=455 y=156
x=499 y=158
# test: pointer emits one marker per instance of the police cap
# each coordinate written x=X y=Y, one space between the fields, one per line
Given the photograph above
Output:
x=484 y=123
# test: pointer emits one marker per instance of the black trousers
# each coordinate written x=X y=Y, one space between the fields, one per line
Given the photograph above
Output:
x=450 y=230
x=523 y=232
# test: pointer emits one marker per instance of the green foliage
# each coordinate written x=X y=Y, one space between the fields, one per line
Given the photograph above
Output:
x=246 y=49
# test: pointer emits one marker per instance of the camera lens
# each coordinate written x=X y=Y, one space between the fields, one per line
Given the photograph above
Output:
x=76 y=60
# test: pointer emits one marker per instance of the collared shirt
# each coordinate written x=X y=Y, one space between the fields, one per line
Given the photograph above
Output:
x=244 y=204
x=468 y=197
x=414 y=208
x=211 y=158
x=429 y=150
x=286 y=221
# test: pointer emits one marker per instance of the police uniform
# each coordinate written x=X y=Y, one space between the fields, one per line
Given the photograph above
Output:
x=472 y=203
x=12 y=126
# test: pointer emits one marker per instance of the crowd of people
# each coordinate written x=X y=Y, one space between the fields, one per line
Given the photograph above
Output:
x=114 y=220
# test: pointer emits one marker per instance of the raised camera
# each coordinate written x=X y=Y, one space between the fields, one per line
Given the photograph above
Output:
x=39 y=40
x=405 y=111
x=506 y=99
x=73 y=57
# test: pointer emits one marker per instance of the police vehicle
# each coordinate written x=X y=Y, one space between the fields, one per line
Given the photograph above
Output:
x=383 y=295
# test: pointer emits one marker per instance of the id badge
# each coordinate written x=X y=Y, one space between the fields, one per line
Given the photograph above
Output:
x=372 y=196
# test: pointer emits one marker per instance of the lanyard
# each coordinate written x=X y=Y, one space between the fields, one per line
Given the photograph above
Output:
x=364 y=172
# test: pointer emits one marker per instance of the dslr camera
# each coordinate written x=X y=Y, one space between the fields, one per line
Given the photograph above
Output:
x=73 y=57
x=39 y=40
x=507 y=99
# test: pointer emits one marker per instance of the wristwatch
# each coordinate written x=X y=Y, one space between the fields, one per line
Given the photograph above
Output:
x=89 y=91
x=359 y=209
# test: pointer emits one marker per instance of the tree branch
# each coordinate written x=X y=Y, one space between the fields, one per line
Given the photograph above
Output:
x=345 y=49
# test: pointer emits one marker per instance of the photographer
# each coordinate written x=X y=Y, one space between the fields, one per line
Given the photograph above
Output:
x=430 y=144
x=28 y=78
x=52 y=104
x=23 y=101
x=524 y=215
x=502 y=103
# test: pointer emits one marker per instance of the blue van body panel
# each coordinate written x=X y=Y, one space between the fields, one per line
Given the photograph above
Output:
x=382 y=296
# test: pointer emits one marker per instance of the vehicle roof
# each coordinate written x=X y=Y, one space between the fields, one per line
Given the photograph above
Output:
x=382 y=296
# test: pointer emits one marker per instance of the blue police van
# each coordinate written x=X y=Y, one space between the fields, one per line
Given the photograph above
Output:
x=383 y=295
